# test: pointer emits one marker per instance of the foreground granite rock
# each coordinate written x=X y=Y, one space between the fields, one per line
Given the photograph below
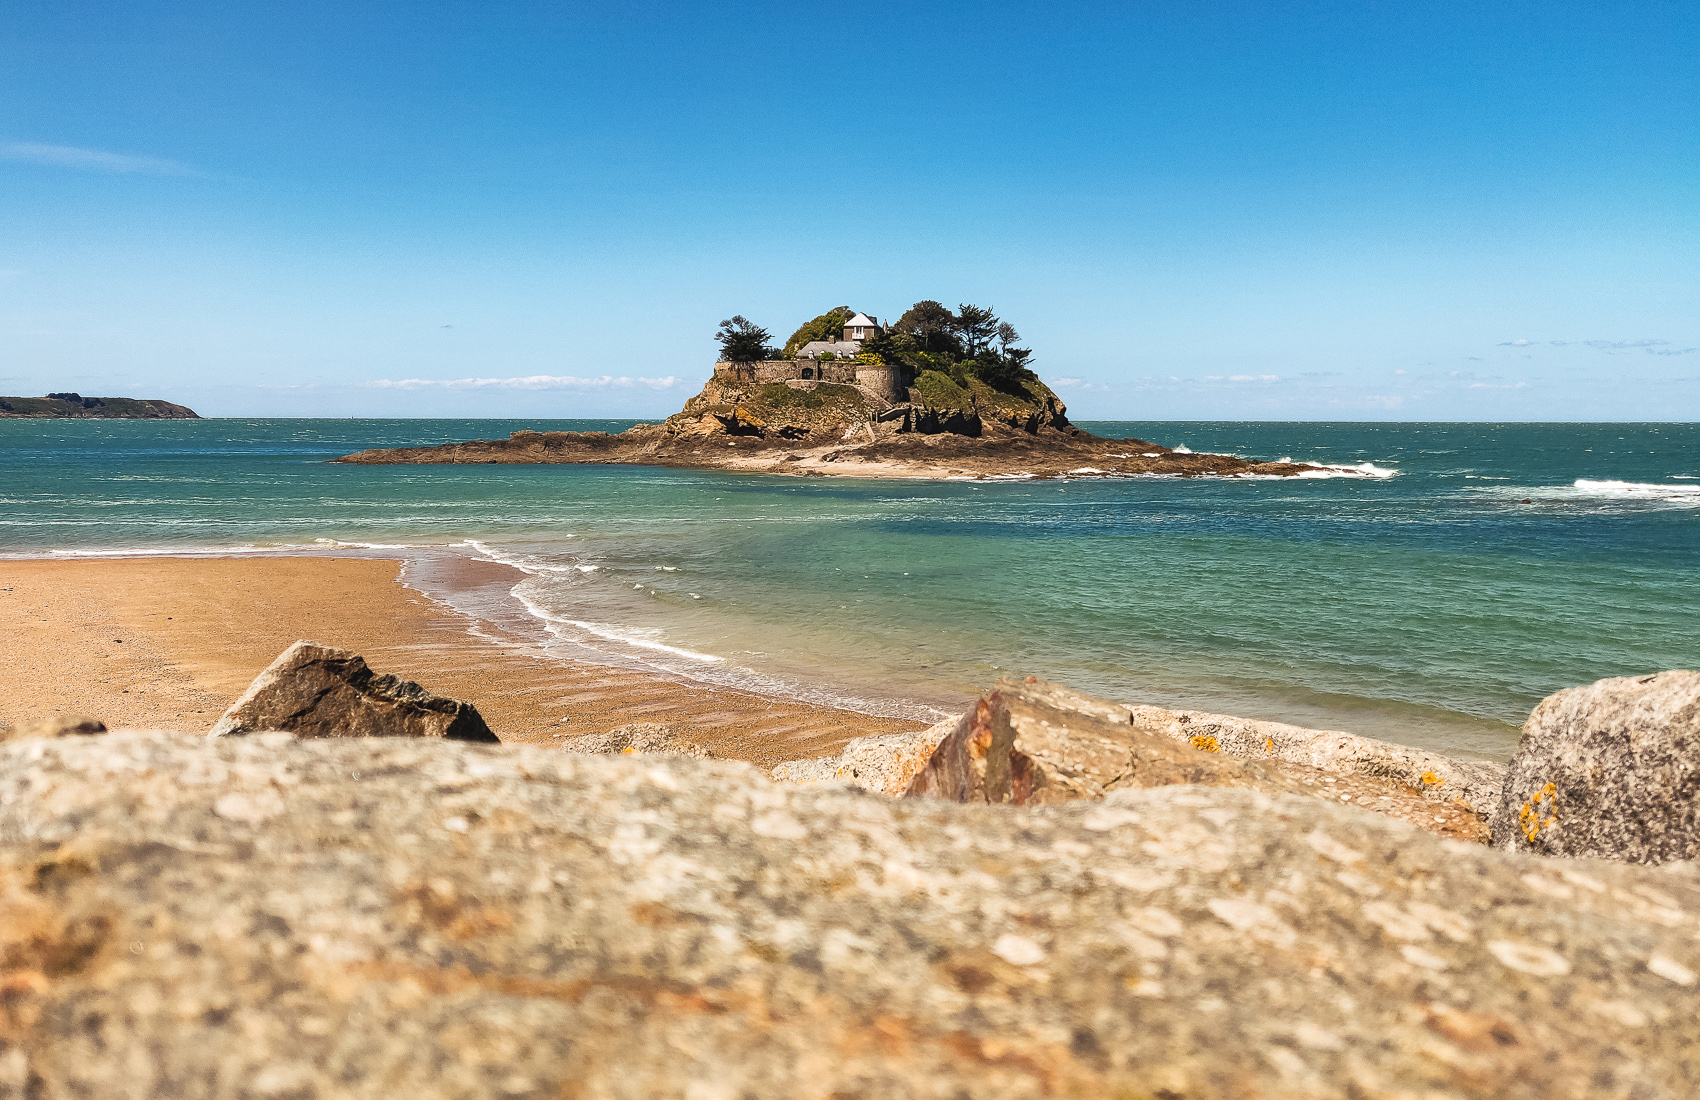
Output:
x=268 y=917
x=319 y=691
x=1610 y=770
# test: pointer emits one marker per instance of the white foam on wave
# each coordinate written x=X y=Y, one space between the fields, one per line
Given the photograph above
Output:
x=1362 y=469
x=336 y=544
x=1183 y=449
x=638 y=637
x=181 y=551
x=1087 y=470
x=1639 y=490
x=525 y=565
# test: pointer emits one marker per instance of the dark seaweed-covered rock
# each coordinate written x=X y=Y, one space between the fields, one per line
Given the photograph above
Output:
x=319 y=691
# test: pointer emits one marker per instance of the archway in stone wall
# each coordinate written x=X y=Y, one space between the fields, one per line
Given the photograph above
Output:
x=808 y=373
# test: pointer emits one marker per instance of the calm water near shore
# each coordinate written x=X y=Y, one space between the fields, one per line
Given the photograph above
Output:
x=1435 y=606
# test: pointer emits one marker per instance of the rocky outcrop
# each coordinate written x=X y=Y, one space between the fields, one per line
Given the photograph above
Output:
x=885 y=763
x=270 y=917
x=1442 y=779
x=1610 y=770
x=1034 y=743
x=929 y=420
x=640 y=737
x=1031 y=742
x=319 y=691
x=767 y=423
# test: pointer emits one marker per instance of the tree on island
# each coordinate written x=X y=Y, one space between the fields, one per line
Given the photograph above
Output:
x=971 y=341
x=828 y=326
x=742 y=341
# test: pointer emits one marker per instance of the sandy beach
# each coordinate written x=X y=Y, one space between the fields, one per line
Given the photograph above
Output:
x=171 y=642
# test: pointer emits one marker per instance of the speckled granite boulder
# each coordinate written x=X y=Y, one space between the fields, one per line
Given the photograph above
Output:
x=885 y=763
x=1610 y=770
x=1477 y=783
x=651 y=738
x=314 y=690
x=269 y=917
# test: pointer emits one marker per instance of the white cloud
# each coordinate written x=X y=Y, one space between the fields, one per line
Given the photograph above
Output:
x=66 y=156
x=530 y=382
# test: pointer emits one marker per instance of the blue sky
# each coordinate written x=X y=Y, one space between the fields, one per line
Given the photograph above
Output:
x=1211 y=211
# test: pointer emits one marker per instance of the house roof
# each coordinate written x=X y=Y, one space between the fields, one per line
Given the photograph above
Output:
x=863 y=320
x=844 y=349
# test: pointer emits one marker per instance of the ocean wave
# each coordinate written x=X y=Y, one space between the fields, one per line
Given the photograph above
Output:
x=1639 y=490
x=526 y=564
x=1362 y=469
x=336 y=544
x=640 y=637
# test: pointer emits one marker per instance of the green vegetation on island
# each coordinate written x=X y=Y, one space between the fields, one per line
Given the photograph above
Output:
x=934 y=369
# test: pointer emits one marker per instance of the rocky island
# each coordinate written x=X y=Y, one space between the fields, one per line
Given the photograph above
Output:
x=74 y=406
x=937 y=394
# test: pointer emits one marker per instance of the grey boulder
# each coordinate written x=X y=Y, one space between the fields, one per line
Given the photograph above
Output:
x=1610 y=770
x=319 y=691
x=649 y=738
x=884 y=763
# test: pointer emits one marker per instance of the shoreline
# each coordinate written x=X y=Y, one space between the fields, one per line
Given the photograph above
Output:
x=467 y=633
x=170 y=642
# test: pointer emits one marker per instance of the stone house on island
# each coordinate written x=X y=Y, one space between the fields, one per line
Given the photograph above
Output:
x=831 y=361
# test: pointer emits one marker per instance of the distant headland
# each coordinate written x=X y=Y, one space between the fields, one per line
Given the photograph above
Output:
x=936 y=394
x=74 y=406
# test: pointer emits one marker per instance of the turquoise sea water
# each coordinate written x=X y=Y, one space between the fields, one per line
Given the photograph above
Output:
x=1434 y=606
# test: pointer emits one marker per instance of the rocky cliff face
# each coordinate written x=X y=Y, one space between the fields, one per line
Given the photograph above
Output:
x=800 y=410
x=273 y=917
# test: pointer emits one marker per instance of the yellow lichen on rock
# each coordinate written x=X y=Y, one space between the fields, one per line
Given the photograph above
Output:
x=1529 y=818
x=1206 y=742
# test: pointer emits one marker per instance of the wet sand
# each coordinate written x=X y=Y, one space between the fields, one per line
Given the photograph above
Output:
x=169 y=643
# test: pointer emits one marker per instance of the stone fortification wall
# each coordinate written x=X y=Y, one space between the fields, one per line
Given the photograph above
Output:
x=783 y=370
x=881 y=381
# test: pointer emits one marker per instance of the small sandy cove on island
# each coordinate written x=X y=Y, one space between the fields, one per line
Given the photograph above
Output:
x=171 y=642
